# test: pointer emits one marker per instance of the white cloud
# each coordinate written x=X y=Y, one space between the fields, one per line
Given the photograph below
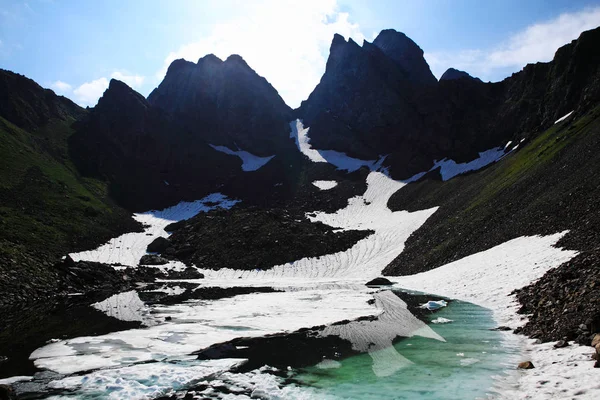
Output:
x=287 y=42
x=535 y=43
x=61 y=87
x=135 y=81
x=89 y=93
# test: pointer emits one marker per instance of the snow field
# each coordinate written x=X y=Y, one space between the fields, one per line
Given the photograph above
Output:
x=250 y=162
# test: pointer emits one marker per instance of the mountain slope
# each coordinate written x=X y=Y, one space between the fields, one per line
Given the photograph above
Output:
x=550 y=185
x=46 y=208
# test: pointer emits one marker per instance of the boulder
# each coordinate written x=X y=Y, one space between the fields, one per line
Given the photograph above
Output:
x=596 y=340
x=526 y=365
x=158 y=245
x=560 y=344
x=152 y=259
x=379 y=282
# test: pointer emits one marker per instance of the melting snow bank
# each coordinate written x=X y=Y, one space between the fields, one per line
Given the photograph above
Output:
x=325 y=185
x=363 y=261
x=340 y=160
x=449 y=168
x=127 y=249
x=250 y=162
x=487 y=278
x=563 y=118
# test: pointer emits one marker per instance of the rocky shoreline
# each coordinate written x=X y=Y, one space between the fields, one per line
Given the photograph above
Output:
x=564 y=305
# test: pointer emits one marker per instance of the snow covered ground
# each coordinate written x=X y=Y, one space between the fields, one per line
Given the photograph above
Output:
x=250 y=162
x=127 y=249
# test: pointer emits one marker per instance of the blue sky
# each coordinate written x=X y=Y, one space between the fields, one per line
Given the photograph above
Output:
x=75 y=47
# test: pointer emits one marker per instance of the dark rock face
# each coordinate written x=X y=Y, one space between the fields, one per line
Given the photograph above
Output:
x=157 y=152
x=226 y=102
x=150 y=159
x=565 y=303
x=452 y=74
x=407 y=54
x=379 y=99
x=29 y=106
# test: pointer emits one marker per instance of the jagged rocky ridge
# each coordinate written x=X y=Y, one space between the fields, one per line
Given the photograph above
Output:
x=369 y=103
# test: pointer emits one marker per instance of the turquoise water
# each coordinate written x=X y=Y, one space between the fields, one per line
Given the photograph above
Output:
x=463 y=367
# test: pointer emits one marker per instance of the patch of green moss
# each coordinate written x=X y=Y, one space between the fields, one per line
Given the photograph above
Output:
x=540 y=151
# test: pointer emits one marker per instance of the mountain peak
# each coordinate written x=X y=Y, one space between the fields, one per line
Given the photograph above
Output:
x=453 y=73
x=406 y=53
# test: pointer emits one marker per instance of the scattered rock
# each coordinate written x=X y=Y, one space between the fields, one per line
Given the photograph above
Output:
x=526 y=365
x=379 y=282
x=152 y=259
x=188 y=273
x=501 y=328
x=168 y=318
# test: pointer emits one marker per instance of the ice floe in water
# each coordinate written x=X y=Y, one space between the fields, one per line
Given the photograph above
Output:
x=127 y=249
x=340 y=160
x=325 y=185
x=434 y=305
x=250 y=162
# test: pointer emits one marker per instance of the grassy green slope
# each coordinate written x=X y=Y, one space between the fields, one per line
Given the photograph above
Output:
x=46 y=209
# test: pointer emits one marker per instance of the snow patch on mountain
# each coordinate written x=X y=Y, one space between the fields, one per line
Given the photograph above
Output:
x=563 y=118
x=325 y=185
x=367 y=258
x=250 y=162
x=127 y=249
x=342 y=161
x=449 y=168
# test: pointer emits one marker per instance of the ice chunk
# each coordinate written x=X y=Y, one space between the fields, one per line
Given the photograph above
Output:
x=434 y=305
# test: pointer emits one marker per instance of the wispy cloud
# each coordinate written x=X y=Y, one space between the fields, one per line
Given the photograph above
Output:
x=135 y=81
x=89 y=93
x=286 y=42
x=535 y=43
x=61 y=87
